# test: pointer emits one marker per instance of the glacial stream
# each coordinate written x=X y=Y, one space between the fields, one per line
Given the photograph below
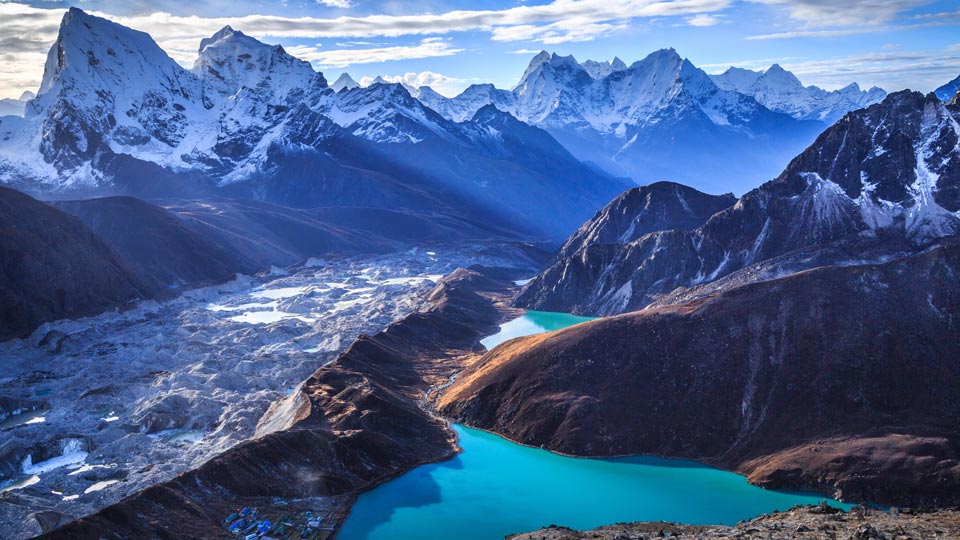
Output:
x=496 y=487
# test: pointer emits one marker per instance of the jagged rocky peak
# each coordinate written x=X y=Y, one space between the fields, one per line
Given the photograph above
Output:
x=599 y=70
x=642 y=210
x=344 y=82
x=93 y=54
x=230 y=60
x=546 y=66
x=106 y=83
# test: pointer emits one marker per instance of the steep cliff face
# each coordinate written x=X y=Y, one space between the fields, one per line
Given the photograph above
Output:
x=882 y=181
x=596 y=248
x=839 y=379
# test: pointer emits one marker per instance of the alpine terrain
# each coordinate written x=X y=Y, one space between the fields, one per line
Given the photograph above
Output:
x=244 y=294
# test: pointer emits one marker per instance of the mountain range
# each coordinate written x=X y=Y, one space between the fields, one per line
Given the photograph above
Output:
x=781 y=91
x=627 y=119
x=251 y=121
x=882 y=182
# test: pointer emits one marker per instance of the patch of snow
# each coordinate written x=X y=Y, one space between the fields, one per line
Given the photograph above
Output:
x=72 y=455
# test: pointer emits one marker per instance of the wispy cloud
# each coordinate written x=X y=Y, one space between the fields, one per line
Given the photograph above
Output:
x=890 y=70
x=845 y=12
x=338 y=58
x=830 y=18
x=336 y=3
x=853 y=31
x=703 y=19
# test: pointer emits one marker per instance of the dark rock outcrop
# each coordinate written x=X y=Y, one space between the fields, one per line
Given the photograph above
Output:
x=52 y=266
x=811 y=522
x=842 y=380
x=596 y=247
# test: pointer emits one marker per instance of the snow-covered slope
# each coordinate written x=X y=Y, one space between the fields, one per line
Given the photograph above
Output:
x=781 y=91
x=881 y=182
x=230 y=60
x=641 y=121
x=15 y=107
x=946 y=92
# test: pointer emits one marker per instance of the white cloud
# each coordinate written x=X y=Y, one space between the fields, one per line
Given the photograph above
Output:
x=336 y=3
x=448 y=86
x=338 y=58
x=852 y=31
x=916 y=70
x=524 y=51
x=703 y=19
x=845 y=12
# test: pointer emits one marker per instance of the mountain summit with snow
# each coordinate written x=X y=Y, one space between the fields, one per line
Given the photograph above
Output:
x=230 y=60
x=344 y=82
x=781 y=91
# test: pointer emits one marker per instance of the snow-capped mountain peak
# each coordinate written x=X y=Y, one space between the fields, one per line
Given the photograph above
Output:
x=946 y=92
x=344 y=81
x=599 y=70
x=230 y=60
x=106 y=83
x=781 y=91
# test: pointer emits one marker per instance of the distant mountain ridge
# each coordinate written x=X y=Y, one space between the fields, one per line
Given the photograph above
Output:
x=781 y=91
x=116 y=115
x=15 y=107
x=637 y=120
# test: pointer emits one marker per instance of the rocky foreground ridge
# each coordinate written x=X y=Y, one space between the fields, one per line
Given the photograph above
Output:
x=812 y=523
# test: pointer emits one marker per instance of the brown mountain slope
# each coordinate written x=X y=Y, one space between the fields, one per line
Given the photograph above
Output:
x=839 y=379
x=52 y=266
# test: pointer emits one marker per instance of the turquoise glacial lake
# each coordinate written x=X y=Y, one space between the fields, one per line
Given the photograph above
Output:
x=496 y=487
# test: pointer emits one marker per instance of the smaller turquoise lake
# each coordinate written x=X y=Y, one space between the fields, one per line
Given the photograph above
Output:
x=495 y=487
x=533 y=322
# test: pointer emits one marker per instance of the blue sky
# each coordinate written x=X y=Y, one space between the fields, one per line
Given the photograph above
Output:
x=450 y=44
